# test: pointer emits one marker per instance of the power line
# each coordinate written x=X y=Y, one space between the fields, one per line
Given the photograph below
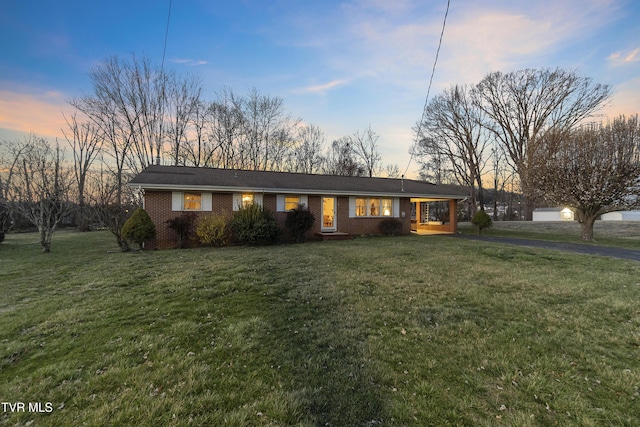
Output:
x=166 y=36
x=164 y=82
x=433 y=71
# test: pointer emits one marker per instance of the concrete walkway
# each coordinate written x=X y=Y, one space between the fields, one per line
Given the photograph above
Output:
x=589 y=249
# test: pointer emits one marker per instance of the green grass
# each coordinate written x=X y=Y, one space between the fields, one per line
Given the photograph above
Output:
x=411 y=330
x=624 y=234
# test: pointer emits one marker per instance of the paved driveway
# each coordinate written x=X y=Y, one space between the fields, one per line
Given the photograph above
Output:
x=631 y=254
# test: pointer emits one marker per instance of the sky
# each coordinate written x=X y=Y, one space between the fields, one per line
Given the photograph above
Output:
x=340 y=65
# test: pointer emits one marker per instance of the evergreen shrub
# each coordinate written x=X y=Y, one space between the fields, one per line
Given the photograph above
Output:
x=139 y=228
x=254 y=225
x=390 y=227
x=481 y=220
x=299 y=221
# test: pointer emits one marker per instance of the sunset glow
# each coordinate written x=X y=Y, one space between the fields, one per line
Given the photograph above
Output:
x=339 y=65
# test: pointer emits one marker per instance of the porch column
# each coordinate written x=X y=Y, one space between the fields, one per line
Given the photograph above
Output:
x=453 y=216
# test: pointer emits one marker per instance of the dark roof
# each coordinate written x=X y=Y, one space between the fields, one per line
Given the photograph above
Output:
x=183 y=178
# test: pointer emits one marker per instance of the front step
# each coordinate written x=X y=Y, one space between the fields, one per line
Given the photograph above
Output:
x=334 y=235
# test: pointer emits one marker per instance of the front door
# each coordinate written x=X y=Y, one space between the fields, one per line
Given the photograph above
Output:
x=328 y=214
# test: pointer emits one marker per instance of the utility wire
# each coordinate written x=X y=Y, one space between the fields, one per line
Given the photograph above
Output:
x=166 y=36
x=433 y=71
x=164 y=82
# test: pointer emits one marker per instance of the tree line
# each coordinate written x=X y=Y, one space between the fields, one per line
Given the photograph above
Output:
x=529 y=127
x=137 y=115
x=534 y=128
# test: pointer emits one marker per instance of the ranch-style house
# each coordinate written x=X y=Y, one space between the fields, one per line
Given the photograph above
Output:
x=342 y=205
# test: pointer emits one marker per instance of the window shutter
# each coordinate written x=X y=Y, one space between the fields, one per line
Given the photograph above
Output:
x=280 y=203
x=237 y=201
x=396 y=207
x=352 y=207
x=207 y=202
x=176 y=201
x=257 y=198
x=304 y=200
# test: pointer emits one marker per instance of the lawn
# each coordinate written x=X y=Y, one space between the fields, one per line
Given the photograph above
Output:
x=403 y=331
x=624 y=234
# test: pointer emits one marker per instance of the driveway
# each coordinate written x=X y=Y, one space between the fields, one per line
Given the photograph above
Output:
x=589 y=249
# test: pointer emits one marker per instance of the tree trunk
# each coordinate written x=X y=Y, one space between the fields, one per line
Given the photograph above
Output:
x=45 y=240
x=587 y=227
x=586 y=218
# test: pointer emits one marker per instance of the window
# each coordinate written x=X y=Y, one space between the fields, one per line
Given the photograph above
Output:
x=387 y=207
x=374 y=207
x=247 y=199
x=291 y=202
x=371 y=207
x=242 y=200
x=192 y=201
x=361 y=207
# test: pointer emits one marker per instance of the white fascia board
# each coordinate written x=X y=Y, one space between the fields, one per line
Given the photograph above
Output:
x=220 y=189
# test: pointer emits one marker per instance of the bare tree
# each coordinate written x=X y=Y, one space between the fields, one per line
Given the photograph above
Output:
x=452 y=128
x=104 y=109
x=267 y=134
x=309 y=148
x=10 y=154
x=199 y=147
x=392 y=170
x=39 y=186
x=226 y=129
x=593 y=170
x=182 y=109
x=434 y=166
x=365 y=147
x=500 y=176
x=523 y=105
x=341 y=159
x=85 y=140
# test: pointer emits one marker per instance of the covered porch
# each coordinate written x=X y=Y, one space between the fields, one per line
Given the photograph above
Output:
x=434 y=216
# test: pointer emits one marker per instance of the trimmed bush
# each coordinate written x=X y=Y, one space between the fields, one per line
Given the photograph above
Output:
x=182 y=226
x=212 y=230
x=299 y=221
x=139 y=228
x=390 y=227
x=254 y=225
x=482 y=221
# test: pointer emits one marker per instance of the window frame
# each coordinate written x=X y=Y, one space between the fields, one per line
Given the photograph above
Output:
x=373 y=207
x=196 y=200
x=287 y=203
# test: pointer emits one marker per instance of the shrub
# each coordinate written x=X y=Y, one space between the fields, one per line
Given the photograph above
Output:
x=390 y=227
x=299 y=221
x=139 y=228
x=212 y=230
x=1 y=236
x=481 y=220
x=182 y=226
x=254 y=225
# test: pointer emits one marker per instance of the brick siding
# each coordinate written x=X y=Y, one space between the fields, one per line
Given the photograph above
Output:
x=158 y=206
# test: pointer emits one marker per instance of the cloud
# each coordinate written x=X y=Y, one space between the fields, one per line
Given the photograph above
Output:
x=395 y=43
x=323 y=88
x=621 y=58
x=481 y=40
x=41 y=113
x=188 y=62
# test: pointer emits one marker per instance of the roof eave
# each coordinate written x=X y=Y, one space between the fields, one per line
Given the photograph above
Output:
x=239 y=189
